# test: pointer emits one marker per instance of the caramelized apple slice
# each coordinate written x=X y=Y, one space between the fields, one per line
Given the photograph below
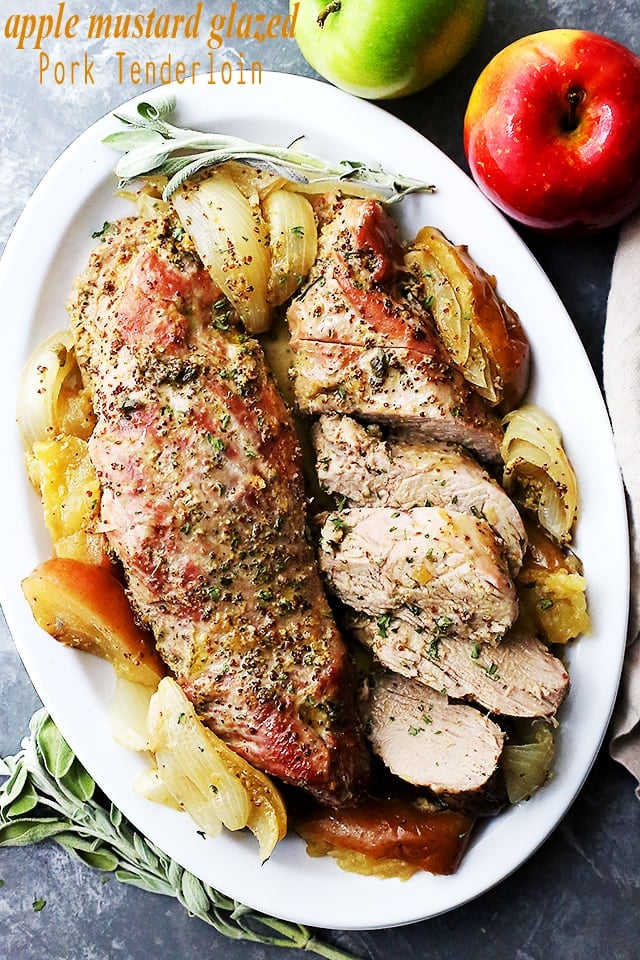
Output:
x=85 y=606
x=379 y=831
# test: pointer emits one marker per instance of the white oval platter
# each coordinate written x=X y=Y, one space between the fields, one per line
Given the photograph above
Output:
x=49 y=247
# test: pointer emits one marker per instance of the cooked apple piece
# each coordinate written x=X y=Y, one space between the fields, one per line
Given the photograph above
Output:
x=481 y=333
x=62 y=472
x=551 y=590
x=362 y=838
x=85 y=606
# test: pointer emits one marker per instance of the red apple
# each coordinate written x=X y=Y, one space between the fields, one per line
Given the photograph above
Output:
x=552 y=131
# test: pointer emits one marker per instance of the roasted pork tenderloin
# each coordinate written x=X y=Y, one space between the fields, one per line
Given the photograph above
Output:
x=450 y=749
x=365 y=345
x=203 y=505
x=367 y=467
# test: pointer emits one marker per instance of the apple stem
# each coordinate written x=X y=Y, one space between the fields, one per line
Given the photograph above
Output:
x=575 y=96
x=330 y=8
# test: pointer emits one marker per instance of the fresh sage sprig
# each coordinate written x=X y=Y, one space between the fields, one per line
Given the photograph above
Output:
x=151 y=144
x=47 y=794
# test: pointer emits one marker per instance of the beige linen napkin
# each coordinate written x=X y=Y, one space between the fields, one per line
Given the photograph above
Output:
x=622 y=391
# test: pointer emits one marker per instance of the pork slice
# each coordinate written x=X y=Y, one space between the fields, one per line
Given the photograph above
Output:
x=203 y=504
x=364 y=345
x=451 y=749
x=395 y=387
x=442 y=572
x=399 y=471
x=519 y=677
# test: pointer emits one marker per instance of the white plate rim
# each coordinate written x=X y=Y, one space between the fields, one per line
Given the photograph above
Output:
x=47 y=232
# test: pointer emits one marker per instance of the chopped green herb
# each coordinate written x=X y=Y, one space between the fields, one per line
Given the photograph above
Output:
x=299 y=231
x=39 y=904
x=475 y=651
x=413 y=731
x=98 y=235
x=383 y=625
x=546 y=603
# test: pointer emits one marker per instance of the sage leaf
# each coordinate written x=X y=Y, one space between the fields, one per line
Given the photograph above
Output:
x=115 y=815
x=98 y=859
x=14 y=787
x=25 y=803
x=22 y=833
x=56 y=752
x=48 y=795
x=143 y=881
x=193 y=896
x=150 y=144
x=133 y=139
x=78 y=782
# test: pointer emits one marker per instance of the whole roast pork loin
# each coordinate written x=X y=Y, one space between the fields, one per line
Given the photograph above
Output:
x=203 y=505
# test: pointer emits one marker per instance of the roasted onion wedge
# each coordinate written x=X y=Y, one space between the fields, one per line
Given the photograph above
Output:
x=537 y=471
x=293 y=240
x=51 y=398
x=206 y=778
x=527 y=761
x=64 y=476
x=482 y=335
x=230 y=236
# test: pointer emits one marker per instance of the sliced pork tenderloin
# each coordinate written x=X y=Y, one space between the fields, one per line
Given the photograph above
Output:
x=399 y=470
x=451 y=749
x=519 y=677
x=444 y=573
x=364 y=345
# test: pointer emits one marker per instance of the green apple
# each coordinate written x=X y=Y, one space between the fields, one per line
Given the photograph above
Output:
x=380 y=49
